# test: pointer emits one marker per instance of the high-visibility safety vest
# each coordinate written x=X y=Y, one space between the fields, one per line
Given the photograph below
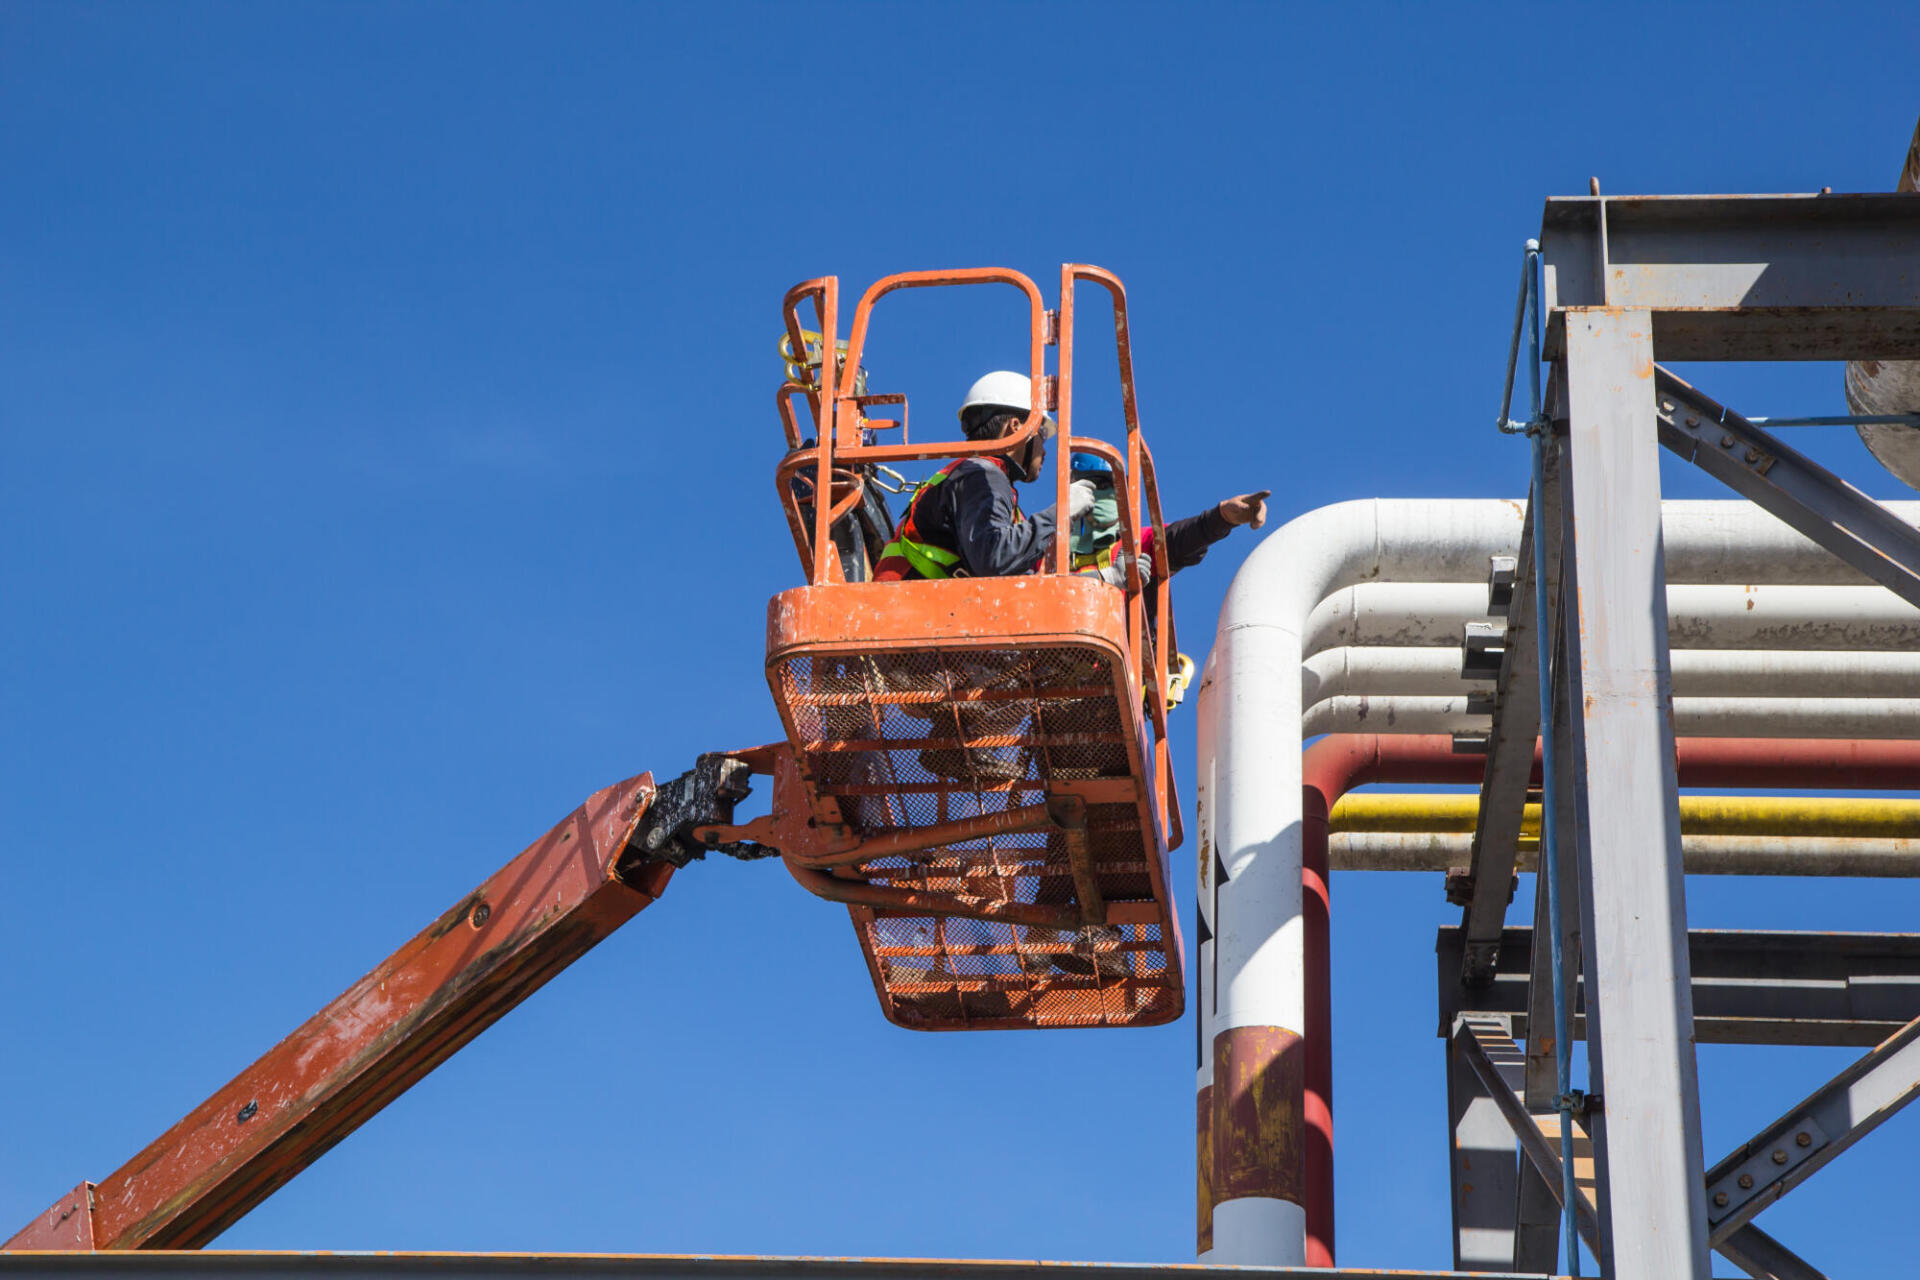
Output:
x=1109 y=562
x=926 y=559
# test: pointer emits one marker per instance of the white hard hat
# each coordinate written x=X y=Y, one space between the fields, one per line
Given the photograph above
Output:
x=1003 y=389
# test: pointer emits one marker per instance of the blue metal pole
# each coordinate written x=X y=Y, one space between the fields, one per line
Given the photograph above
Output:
x=1549 y=864
x=1842 y=420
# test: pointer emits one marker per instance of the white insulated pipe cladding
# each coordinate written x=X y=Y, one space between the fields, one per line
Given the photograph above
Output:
x=1699 y=673
x=1864 y=718
x=1396 y=614
x=1251 y=703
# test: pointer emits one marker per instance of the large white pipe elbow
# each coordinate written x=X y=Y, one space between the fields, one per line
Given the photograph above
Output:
x=1250 y=752
x=1251 y=701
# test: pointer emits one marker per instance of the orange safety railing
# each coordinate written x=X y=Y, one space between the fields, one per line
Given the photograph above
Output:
x=839 y=450
x=977 y=768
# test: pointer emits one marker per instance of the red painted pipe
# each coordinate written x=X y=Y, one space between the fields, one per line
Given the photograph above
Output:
x=1329 y=769
x=1801 y=764
x=1339 y=762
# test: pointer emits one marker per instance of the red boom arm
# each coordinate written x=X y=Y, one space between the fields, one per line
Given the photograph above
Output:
x=491 y=950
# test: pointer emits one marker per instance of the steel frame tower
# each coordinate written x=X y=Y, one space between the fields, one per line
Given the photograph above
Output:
x=1622 y=283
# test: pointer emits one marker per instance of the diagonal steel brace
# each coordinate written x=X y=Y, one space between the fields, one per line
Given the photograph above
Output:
x=1801 y=492
x=1797 y=1145
x=1478 y=1039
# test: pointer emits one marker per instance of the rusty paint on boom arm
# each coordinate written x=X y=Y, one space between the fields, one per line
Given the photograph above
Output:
x=485 y=954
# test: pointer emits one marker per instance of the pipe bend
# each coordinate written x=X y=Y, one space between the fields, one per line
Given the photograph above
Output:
x=1368 y=539
x=1707 y=543
x=1250 y=699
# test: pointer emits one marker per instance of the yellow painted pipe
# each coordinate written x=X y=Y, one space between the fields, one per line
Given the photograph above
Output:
x=1699 y=815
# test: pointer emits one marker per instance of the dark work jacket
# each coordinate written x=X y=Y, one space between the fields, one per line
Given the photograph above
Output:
x=974 y=513
x=1188 y=540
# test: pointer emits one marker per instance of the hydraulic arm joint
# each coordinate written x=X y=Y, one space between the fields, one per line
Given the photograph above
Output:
x=703 y=796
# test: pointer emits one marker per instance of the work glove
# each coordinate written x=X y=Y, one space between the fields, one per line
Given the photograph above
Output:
x=1248 y=509
x=1080 y=496
x=1115 y=574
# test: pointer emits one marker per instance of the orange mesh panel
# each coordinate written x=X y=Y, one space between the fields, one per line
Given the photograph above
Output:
x=906 y=738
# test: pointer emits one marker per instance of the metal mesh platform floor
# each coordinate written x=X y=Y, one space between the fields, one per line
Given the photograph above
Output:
x=906 y=738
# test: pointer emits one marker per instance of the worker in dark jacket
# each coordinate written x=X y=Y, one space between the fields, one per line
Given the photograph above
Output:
x=965 y=520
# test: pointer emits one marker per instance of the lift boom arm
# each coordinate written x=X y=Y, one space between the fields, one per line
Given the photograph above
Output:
x=596 y=869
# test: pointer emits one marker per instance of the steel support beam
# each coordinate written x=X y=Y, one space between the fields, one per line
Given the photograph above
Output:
x=1481 y=1161
x=1806 y=1139
x=1538 y=1229
x=1510 y=744
x=1541 y=1085
x=1764 y=1258
x=1482 y=1046
x=1805 y=495
x=1633 y=893
x=1797 y=277
x=1852 y=989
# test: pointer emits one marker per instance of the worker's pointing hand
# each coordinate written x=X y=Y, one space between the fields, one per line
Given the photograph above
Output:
x=1080 y=496
x=1248 y=509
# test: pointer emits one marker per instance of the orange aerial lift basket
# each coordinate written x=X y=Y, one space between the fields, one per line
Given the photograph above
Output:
x=977 y=767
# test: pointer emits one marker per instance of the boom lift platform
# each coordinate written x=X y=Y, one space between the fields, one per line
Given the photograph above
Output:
x=977 y=768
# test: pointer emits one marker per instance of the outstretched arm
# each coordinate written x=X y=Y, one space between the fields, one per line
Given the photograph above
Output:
x=1187 y=540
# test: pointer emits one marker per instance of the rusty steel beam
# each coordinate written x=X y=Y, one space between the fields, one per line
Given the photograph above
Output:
x=484 y=955
x=1759 y=277
x=627 y=1266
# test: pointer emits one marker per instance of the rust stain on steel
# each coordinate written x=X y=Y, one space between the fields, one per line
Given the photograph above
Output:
x=65 y=1226
x=1203 y=1164
x=1258 y=1096
x=414 y=1010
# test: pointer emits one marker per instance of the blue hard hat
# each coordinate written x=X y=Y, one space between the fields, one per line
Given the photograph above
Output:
x=1092 y=463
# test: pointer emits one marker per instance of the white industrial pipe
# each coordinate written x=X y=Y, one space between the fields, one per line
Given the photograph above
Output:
x=1698 y=616
x=1248 y=791
x=1879 y=718
x=1708 y=855
x=1697 y=673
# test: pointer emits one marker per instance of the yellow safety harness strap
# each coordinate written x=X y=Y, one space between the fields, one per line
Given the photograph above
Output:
x=927 y=560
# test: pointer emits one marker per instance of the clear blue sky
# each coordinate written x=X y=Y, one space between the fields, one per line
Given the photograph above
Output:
x=388 y=446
